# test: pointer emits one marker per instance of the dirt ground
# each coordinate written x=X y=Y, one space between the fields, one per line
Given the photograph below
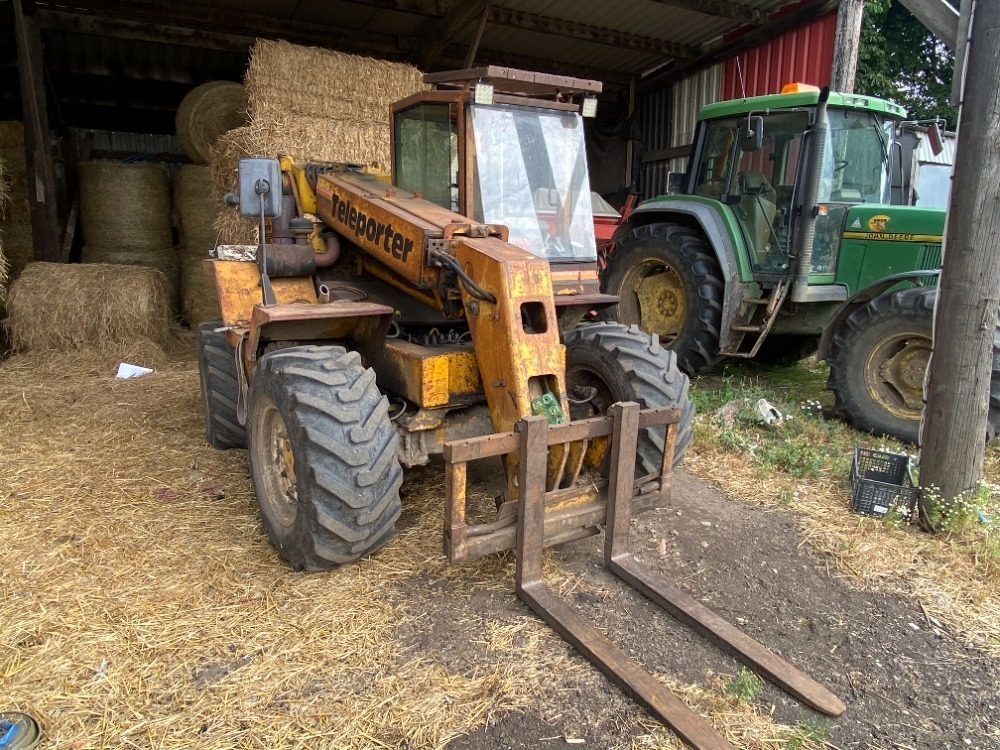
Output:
x=906 y=684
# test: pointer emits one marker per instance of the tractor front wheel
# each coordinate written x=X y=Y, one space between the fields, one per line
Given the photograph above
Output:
x=878 y=358
x=607 y=363
x=669 y=283
x=323 y=456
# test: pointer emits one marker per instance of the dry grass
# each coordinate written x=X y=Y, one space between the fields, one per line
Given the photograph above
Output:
x=107 y=188
x=4 y=197
x=144 y=607
x=804 y=467
x=205 y=113
x=65 y=307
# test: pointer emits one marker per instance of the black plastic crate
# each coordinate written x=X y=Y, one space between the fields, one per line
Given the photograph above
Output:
x=880 y=481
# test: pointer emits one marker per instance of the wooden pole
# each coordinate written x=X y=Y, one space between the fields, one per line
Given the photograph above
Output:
x=958 y=378
x=845 y=46
x=38 y=153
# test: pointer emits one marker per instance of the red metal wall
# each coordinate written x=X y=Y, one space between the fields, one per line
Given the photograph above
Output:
x=803 y=55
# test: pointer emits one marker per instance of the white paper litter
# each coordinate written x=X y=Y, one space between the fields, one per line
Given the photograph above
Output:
x=125 y=370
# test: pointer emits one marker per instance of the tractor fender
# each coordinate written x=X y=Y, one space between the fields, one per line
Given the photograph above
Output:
x=708 y=218
x=866 y=295
x=705 y=217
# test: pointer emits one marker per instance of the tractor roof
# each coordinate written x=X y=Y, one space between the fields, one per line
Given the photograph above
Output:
x=799 y=99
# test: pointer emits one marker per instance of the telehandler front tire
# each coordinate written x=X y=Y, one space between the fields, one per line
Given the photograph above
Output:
x=323 y=456
x=219 y=389
x=669 y=282
x=621 y=363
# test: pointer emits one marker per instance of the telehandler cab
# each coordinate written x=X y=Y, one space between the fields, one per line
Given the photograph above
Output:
x=381 y=322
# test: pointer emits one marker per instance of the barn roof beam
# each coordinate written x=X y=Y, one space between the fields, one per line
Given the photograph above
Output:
x=517 y=19
x=439 y=34
x=208 y=28
x=720 y=8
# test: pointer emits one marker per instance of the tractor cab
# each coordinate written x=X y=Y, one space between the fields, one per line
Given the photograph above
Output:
x=502 y=146
x=753 y=155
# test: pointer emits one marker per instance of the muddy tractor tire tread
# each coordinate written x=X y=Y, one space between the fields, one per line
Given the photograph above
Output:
x=345 y=448
x=689 y=252
x=219 y=388
x=639 y=370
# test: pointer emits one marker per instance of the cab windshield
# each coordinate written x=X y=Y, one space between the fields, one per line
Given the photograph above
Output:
x=856 y=158
x=530 y=174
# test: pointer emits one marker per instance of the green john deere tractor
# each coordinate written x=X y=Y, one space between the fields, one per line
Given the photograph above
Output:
x=779 y=242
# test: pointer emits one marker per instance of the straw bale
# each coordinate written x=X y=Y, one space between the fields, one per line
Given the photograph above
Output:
x=165 y=260
x=198 y=205
x=308 y=84
x=15 y=214
x=125 y=206
x=199 y=298
x=205 y=113
x=108 y=307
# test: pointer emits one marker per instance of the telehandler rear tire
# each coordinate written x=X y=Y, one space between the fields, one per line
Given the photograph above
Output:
x=219 y=389
x=323 y=456
x=674 y=268
x=621 y=363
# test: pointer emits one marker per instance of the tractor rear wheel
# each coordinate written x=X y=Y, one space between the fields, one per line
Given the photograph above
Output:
x=669 y=283
x=878 y=358
x=219 y=388
x=323 y=456
x=607 y=363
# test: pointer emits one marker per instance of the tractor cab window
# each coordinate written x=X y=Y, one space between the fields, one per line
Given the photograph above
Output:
x=855 y=169
x=530 y=174
x=856 y=158
x=758 y=184
x=425 y=140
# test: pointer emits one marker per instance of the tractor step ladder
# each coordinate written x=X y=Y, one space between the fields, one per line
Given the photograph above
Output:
x=539 y=526
x=771 y=304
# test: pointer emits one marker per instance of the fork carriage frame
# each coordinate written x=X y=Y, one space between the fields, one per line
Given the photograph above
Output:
x=546 y=518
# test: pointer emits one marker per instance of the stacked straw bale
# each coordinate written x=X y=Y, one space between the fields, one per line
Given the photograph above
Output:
x=15 y=214
x=198 y=205
x=313 y=105
x=125 y=215
x=78 y=306
x=206 y=112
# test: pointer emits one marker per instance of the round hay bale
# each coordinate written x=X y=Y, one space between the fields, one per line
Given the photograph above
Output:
x=208 y=111
x=125 y=206
x=199 y=298
x=198 y=208
x=108 y=307
x=164 y=260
